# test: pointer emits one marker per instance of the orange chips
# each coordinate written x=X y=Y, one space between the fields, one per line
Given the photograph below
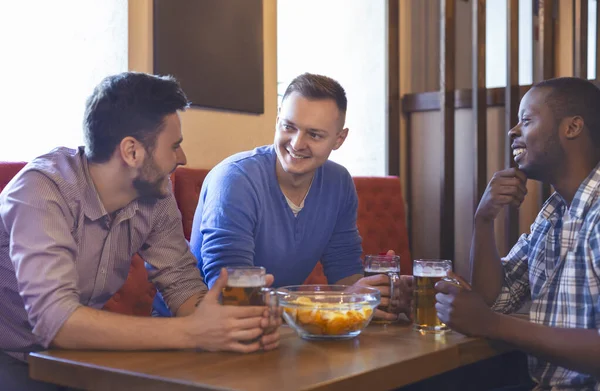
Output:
x=328 y=318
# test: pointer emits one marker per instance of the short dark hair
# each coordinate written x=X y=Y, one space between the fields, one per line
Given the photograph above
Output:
x=313 y=86
x=129 y=104
x=572 y=96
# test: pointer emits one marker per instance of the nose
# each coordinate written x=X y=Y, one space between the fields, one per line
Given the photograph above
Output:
x=298 y=141
x=514 y=132
x=181 y=158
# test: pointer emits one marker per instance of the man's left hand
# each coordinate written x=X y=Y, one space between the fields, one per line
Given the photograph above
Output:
x=462 y=309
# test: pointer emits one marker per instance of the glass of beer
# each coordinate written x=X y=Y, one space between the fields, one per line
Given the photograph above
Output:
x=389 y=265
x=427 y=272
x=246 y=287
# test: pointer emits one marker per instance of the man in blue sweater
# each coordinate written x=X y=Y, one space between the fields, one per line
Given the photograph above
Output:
x=286 y=206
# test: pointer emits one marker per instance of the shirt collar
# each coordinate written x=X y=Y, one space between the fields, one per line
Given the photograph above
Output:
x=583 y=199
x=92 y=205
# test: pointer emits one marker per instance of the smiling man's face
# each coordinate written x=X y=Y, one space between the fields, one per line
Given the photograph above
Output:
x=535 y=139
x=307 y=130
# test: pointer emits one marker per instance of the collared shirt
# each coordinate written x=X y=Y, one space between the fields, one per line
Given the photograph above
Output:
x=60 y=249
x=557 y=266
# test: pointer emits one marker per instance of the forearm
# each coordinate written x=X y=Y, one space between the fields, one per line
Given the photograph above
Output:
x=88 y=328
x=487 y=274
x=188 y=306
x=576 y=349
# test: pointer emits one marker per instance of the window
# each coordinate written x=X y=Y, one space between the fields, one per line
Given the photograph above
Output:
x=54 y=53
x=347 y=41
x=496 y=42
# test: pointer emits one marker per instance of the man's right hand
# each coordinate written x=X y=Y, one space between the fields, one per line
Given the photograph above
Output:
x=214 y=327
x=507 y=187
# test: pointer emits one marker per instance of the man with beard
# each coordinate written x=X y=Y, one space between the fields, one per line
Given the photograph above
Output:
x=285 y=206
x=556 y=265
x=71 y=220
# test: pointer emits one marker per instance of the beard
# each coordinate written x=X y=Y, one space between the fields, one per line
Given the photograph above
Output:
x=545 y=166
x=150 y=183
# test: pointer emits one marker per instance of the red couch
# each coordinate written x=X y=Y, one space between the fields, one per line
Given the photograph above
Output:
x=381 y=222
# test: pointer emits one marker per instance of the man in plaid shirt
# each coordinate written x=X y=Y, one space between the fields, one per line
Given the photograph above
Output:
x=557 y=265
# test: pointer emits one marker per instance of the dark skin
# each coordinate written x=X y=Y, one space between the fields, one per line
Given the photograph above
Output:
x=561 y=152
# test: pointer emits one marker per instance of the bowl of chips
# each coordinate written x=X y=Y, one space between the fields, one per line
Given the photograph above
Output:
x=328 y=311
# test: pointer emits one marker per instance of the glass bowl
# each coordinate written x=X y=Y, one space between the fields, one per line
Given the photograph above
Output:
x=328 y=311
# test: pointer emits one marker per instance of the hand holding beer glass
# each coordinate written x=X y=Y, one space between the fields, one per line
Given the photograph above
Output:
x=427 y=272
x=246 y=286
x=390 y=266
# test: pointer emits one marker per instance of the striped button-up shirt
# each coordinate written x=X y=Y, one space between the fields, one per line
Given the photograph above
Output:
x=557 y=266
x=60 y=249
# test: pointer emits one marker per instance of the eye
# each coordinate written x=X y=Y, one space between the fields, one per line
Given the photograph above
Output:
x=287 y=127
x=315 y=136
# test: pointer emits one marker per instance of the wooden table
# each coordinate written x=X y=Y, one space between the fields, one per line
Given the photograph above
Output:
x=381 y=358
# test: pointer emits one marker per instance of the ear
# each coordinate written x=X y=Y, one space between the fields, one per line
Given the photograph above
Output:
x=132 y=152
x=341 y=137
x=574 y=127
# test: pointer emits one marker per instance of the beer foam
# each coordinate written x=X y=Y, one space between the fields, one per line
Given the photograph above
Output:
x=246 y=281
x=424 y=271
x=382 y=270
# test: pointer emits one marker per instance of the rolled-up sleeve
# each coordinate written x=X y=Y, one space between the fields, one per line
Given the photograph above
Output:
x=42 y=251
x=172 y=267
x=515 y=289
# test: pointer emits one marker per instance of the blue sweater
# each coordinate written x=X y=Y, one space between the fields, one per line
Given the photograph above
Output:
x=243 y=218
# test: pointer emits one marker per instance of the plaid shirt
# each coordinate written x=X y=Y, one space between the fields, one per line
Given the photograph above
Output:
x=557 y=266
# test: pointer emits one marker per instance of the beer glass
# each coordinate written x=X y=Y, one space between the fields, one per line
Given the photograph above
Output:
x=246 y=287
x=427 y=272
x=389 y=265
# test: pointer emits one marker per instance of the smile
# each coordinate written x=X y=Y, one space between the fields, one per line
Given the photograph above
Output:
x=518 y=151
x=295 y=156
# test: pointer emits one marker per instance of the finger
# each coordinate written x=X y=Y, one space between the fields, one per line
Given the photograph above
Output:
x=391 y=253
x=384 y=291
x=269 y=279
x=270 y=324
x=522 y=184
x=443 y=317
x=514 y=182
x=510 y=190
x=243 y=311
x=272 y=346
x=246 y=335
x=247 y=323
x=377 y=279
x=243 y=348
x=447 y=287
x=516 y=203
x=214 y=292
x=504 y=199
x=379 y=314
x=270 y=339
x=407 y=282
x=273 y=313
x=385 y=302
x=521 y=175
x=443 y=299
x=461 y=280
x=509 y=172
